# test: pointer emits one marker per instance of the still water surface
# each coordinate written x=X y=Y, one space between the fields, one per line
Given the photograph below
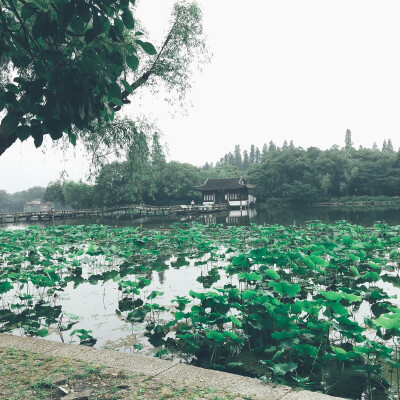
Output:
x=365 y=215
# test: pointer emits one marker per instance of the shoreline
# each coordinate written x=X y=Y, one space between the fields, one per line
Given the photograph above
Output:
x=153 y=371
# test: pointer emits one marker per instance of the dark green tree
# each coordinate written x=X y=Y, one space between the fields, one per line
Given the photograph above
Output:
x=157 y=151
x=264 y=150
x=252 y=155
x=78 y=195
x=238 y=157
x=113 y=185
x=68 y=66
x=15 y=202
x=389 y=146
x=271 y=147
x=5 y=201
x=300 y=193
x=347 y=139
x=54 y=193
x=156 y=181
x=246 y=160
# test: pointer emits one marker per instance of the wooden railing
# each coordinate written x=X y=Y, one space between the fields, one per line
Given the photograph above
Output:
x=129 y=209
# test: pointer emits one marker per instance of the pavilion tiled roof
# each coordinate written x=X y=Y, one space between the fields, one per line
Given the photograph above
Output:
x=224 y=184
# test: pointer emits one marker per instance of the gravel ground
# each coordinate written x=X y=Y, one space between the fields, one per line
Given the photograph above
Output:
x=26 y=375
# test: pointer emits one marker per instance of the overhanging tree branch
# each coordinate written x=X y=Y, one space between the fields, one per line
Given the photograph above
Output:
x=144 y=78
x=67 y=72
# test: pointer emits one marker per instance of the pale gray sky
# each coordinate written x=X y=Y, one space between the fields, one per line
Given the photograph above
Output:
x=288 y=69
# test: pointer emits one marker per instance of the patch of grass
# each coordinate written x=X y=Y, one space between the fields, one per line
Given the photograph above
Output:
x=44 y=383
x=28 y=375
x=93 y=370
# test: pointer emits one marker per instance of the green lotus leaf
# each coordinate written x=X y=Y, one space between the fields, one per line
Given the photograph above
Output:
x=389 y=321
x=253 y=276
x=319 y=261
x=354 y=270
x=331 y=296
x=270 y=273
x=285 y=288
x=217 y=336
x=307 y=349
x=235 y=321
x=353 y=257
x=284 y=368
x=338 y=350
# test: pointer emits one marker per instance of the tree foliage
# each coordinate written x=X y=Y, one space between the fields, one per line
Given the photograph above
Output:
x=311 y=175
x=73 y=63
x=15 y=202
x=295 y=175
x=347 y=139
x=287 y=175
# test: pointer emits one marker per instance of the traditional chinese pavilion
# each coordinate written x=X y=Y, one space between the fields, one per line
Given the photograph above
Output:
x=234 y=191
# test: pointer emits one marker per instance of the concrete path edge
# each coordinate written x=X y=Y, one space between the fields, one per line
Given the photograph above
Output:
x=162 y=369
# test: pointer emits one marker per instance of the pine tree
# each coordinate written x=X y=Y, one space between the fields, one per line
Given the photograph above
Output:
x=252 y=155
x=384 y=145
x=375 y=146
x=389 y=146
x=157 y=152
x=238 y=157
x=246 y=160
x=264 y=150
x=258 y=155
x=291 y=145
x=271 y=147
x=285 y=145
x=347 y=139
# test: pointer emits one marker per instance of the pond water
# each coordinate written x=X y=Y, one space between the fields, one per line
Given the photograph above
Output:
x=365 y=215
x=91 y=284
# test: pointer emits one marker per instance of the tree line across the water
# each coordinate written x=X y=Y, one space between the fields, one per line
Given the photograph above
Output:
x=286 y=174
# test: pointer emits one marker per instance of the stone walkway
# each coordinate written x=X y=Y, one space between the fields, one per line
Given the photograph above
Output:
x=162 y=369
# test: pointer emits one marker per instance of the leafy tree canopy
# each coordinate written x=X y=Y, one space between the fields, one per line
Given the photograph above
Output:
x=69 y=65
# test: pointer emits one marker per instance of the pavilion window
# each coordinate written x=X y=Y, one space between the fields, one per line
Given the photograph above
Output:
x=209 y=197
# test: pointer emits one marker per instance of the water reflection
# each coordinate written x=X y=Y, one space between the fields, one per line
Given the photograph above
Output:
x=231 y=217
x=287 y=216
x=363 y=215
x=262 y=215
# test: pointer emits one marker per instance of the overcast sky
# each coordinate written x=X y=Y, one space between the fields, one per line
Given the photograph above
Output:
x=286 y=69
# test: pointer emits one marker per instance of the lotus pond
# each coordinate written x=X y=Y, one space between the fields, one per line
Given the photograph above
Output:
x=311 y=306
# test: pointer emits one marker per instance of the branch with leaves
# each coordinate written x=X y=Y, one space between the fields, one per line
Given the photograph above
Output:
x=71 y=62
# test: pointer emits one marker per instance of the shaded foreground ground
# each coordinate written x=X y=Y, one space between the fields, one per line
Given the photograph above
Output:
x=37 y=369
x=30 y=375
